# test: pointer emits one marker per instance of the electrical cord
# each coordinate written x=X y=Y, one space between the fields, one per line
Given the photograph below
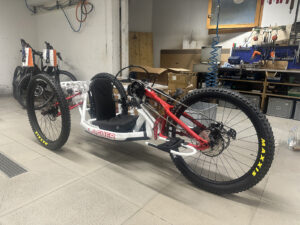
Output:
x=31 y=10
x=80 y=24
x=83 y=9
x=83 y=13
x=140 y=67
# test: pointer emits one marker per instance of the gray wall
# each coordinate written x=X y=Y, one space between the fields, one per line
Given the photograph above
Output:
x=140 y=15
x=176 y=20
x=95 y=49
x=15 y=23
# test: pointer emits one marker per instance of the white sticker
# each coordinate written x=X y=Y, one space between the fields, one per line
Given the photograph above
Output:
x=174 y=78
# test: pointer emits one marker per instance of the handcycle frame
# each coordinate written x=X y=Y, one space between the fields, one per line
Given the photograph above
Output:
x=80 y=101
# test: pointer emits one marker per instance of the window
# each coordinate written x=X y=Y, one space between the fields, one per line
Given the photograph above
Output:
x=235 y=14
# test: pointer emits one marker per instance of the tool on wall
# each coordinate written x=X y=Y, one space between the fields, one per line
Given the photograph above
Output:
x=211 y=77
x=83 y=9
x=281 y=2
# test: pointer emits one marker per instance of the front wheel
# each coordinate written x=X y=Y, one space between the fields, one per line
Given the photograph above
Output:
x=241 y=142
x=48 y=112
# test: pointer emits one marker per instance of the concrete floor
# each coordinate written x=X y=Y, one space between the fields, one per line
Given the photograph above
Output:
x=91 y=181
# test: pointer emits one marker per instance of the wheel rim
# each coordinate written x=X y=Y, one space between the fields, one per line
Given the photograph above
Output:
x=228 y=160
x=46 y=110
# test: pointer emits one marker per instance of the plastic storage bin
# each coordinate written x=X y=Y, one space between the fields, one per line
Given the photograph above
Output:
x=280 y=107
x=297 y=111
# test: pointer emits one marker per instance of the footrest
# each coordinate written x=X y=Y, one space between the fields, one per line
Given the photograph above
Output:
x=172 y=144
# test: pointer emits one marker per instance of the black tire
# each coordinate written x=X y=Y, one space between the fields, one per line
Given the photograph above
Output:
x=63 y=75
x=55 y=103
x=262 y=155
x=18 y=74
x=21 y=89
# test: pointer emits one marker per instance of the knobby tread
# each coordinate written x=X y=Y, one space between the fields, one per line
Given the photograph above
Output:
x=65 y=113
x=14 y=82
x=260 y=120
x=23 y=85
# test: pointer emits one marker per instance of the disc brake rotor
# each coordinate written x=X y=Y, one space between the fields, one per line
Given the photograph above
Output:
x=218 y=138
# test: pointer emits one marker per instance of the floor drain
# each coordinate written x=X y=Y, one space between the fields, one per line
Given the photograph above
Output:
x=10 y=168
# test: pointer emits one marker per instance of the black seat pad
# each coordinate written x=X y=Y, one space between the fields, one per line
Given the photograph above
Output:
x=120 y=123
x=102 y=91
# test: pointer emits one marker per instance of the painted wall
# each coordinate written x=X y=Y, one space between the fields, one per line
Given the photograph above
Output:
x=275 y=14
x=15 y=23
x=95 y=49
x=140 y=15
x=176 y=20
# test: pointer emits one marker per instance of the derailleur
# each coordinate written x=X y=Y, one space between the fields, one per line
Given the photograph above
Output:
x=218 y=137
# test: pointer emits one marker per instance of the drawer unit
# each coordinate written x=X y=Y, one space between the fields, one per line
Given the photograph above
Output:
x=254 y=99
x=280 y=107
x=297 y=111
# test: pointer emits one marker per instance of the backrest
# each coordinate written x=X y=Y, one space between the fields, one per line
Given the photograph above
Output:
x=102 y=96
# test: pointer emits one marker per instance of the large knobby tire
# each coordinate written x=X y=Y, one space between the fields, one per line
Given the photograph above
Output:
x=18 y=74
x=21 y=89
x=55 y=111
x=262 y=156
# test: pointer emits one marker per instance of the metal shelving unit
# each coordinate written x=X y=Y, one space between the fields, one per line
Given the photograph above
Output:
x=265 y=84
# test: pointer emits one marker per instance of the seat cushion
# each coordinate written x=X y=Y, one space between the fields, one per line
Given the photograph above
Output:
x=120 y=123
x=102 y=94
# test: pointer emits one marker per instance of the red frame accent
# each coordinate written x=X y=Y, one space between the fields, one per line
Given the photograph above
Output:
x=167 y=108
x=203 y=144
x=71 y=106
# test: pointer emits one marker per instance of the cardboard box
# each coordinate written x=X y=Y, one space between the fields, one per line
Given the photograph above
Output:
x=277 y=65
x=160 y=74
x=184 y=81
x=186 y=58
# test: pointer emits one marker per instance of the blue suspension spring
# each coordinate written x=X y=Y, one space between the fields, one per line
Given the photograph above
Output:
x=212 y=75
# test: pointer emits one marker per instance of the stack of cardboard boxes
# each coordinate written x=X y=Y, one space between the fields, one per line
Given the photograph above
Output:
x=172 y=78
x=168 y=80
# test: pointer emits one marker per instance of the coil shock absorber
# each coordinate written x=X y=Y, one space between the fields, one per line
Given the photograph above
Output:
x=211 y=77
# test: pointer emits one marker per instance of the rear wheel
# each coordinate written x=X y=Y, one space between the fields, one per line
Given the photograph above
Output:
x=21 y=90
x=241 y=142
x=48 y=112
x=18 y=74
